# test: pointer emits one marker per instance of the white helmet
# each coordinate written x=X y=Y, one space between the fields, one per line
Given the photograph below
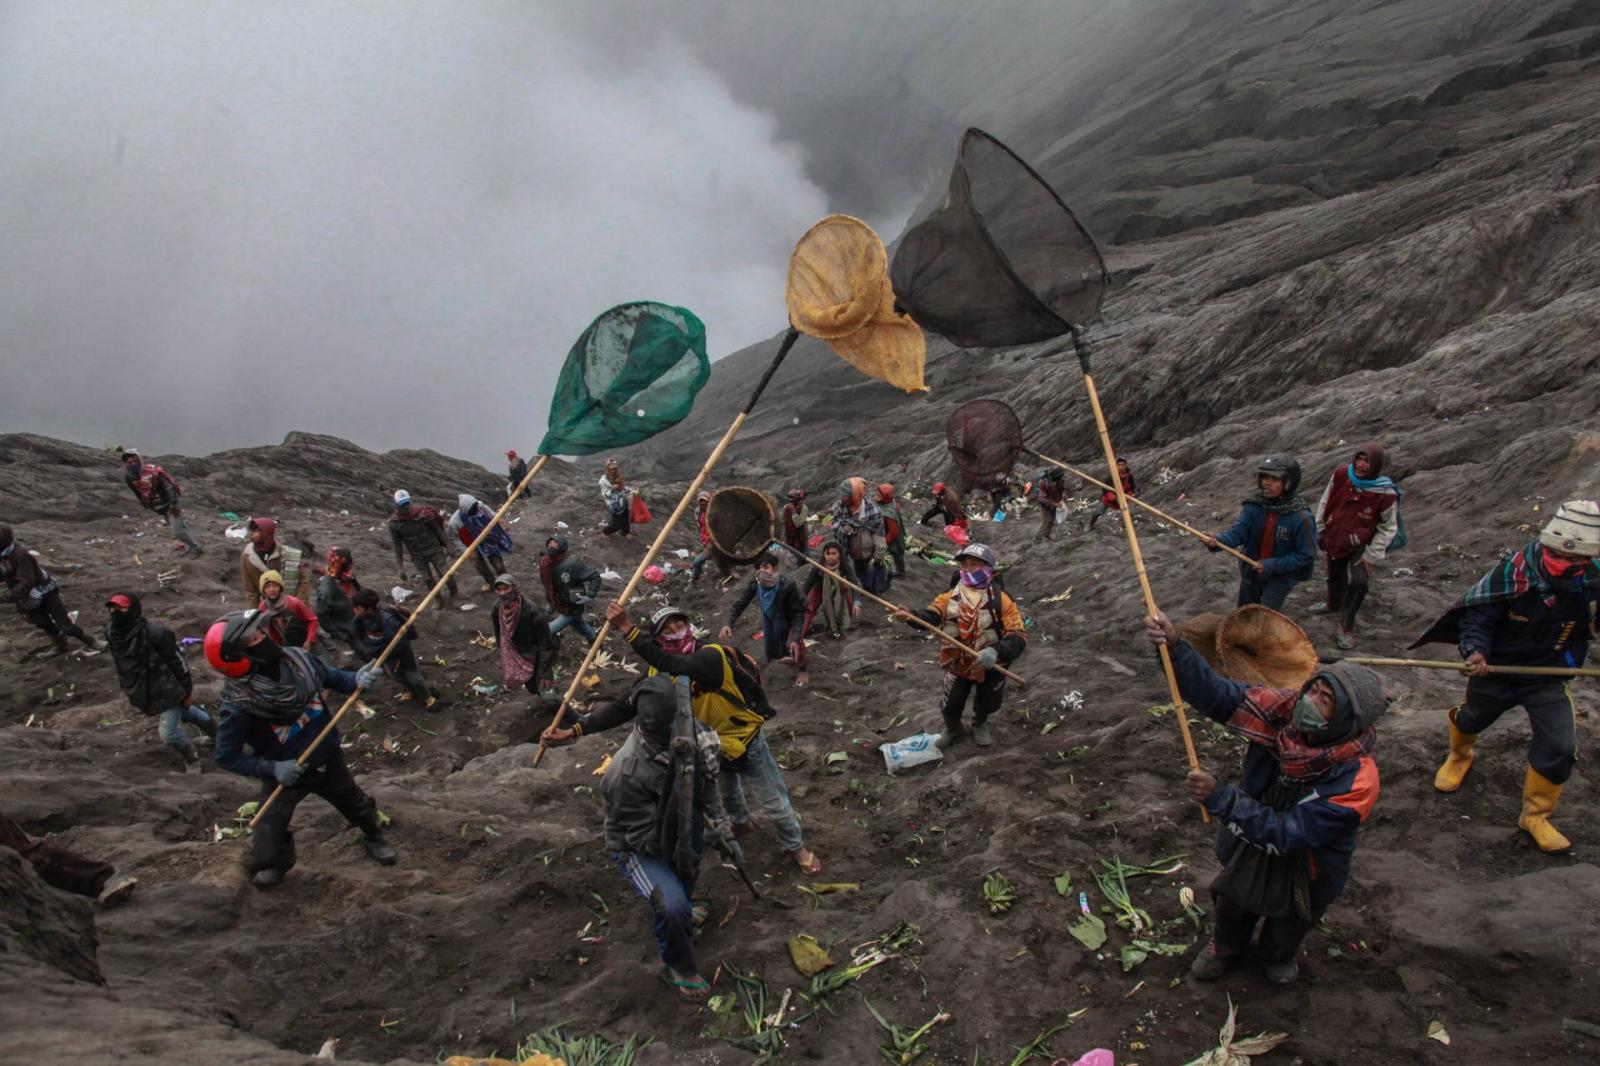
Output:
x=401 y=497
x=1575 y=529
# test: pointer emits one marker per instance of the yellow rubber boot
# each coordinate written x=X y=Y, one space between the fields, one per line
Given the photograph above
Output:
x=1540 y=795
x=1455 y=767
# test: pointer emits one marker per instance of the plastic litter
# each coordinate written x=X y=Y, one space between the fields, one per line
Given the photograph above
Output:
x=238 y=532
x=682 y=553
x=655 y=575
x=468 y=607
x=229 y=515
x=609 y=574
x=189 y=642
x=400 y=595
x=999 y=516
x=912 y=751
x=562 y=525
x=483 y=686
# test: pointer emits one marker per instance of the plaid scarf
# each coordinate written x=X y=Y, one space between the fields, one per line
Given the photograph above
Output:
x=343 y=571
x=288 y=700
x=1514 y=577
x=1266 y=718
x=514 y=669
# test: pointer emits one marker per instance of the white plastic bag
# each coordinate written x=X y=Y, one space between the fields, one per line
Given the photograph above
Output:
x=400 y=595
x=912 y=751
x=1061 y=514
x=238 y=532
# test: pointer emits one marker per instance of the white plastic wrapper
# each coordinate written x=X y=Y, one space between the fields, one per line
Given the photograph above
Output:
x=238 y=532
x=912 y=751
x=400 y=595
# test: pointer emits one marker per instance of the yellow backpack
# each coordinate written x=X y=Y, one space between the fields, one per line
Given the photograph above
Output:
x=736 y=711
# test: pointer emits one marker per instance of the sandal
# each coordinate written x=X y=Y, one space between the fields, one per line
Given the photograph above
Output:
x=1345 y=641
x=689 y=989
x=809 y=864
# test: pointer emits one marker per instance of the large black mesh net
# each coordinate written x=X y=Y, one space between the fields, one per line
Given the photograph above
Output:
x=741 y=522
x=1003 y=261
x=984 y=438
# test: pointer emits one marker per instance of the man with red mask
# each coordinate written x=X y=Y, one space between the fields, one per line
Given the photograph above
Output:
x=1358 y=524
x=1536 y=608
x=727 y=696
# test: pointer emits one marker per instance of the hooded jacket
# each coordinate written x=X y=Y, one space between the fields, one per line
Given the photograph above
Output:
x=568 y=576
x=468 y=521
x=1294 y=547
x=1353 y=521
x=420 y=531
x=635 y=785
x=150 y=665
x=154 y=487
x=1323 y=824
x=253 y=564
x=27 y=582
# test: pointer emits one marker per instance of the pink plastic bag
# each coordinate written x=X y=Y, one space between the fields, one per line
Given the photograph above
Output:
x=655 y=575
x=1098 y=1057
x=816 y=540
x=957 y=534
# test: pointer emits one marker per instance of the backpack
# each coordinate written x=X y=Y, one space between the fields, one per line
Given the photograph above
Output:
x=875 y=578
x=747 y=675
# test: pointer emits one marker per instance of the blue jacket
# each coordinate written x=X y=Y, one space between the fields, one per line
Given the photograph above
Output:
x=1294 y=547
x=374 y=632
x=1528 y=631
x=240 y=730
x=1322 y=824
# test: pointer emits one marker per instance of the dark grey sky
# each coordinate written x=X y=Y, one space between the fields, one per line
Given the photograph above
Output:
x=221 y=222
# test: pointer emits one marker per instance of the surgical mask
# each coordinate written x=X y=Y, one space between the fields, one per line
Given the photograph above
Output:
x=978 y=578
x=766 y=578
x=1308 y=717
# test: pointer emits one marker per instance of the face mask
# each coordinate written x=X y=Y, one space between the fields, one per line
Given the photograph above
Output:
x=1563 y=567
x=977 y=579
x=1308 y=717
x=766 y=578
x=122 y=621
x=264 y=657
x=682 y=644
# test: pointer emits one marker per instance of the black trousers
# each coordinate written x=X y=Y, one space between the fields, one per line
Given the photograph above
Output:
x=402 y=666
x=1550 y=714
x=430 y=568
x=1348 y=579
x=618 y=522
x=1280 y=937
x=489 y=566
x=272 y=844
x=986 y=696
x=51 y=617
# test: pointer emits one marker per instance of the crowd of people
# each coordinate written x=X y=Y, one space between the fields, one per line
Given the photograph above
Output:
x=1288 y=826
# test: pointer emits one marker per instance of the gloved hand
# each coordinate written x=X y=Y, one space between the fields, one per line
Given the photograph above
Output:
x=988 y=658
x=369 y=675
x=32 y=600
x=579 y=599
x=287 y=772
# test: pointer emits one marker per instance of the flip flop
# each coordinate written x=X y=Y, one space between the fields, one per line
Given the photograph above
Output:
x=692 y=990
x=808 y=862
x=1345 y=643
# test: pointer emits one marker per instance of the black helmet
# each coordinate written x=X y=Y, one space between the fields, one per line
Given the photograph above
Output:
x=1283 y=466
x=560 y=543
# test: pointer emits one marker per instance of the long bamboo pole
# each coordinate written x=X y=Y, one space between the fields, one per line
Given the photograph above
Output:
x=666 y=528
x=1138 y=556
x=406 y=625
x=1186 y=527
x=1462 y=668
x=880 y=601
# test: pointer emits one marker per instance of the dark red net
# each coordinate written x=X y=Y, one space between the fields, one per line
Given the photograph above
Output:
x=984 y=438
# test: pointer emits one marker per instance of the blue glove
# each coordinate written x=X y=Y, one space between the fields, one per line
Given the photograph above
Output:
x=988 y=657
x=287 y=772
x=369 y=675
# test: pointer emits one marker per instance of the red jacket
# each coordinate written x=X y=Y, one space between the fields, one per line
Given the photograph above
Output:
x=154 y=487
x=1351 y=520
x=280 y=612
x=1109 y=498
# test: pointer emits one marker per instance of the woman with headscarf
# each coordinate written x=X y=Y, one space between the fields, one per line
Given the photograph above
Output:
x=335 y=586
x=263 y=553
x=857 y=526
x=527 y=648
x=835 y=603
x=618 y=499
x=1358 y=524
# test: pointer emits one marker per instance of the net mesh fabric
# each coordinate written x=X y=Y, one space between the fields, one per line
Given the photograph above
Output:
x=633 y=373
x=741 y=521
x=1003 y=261
x=984 y=438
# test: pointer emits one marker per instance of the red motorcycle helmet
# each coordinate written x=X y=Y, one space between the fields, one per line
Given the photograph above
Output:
x=225 y=642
